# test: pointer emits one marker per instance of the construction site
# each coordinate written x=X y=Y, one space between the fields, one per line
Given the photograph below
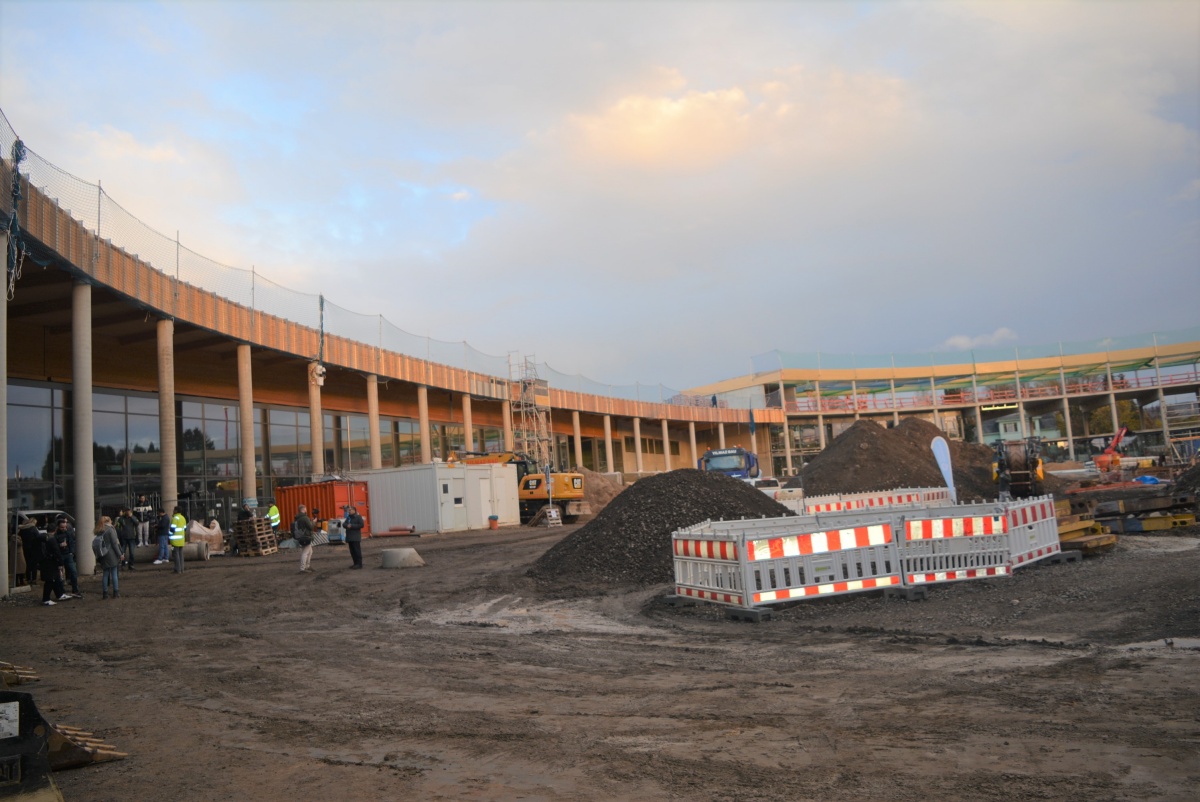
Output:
x=562 y=662
x=973 y=576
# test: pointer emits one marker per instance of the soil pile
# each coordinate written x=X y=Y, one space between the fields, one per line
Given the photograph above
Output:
x=867 y=457
x=598 y=488
x=1189 y=480
x=629 y=542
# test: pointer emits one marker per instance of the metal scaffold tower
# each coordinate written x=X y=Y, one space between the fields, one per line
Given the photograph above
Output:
x=531 y=415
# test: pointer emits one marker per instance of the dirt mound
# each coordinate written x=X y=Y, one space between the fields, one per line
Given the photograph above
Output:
x=629 y=542
x=867 y=457
x=598 y=489
x=1189 y=480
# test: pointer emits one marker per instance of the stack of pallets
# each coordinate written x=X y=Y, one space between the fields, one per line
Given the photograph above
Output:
x=1078 y=529
x=1149 y=514
x=254 y=537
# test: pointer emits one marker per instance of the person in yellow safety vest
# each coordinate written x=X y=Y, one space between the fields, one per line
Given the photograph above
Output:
x=273 y=517
x=178 y=538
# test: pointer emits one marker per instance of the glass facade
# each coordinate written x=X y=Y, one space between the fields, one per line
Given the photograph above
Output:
x=126 y=450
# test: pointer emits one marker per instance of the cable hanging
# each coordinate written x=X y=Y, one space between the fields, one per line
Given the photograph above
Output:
x=16 y=246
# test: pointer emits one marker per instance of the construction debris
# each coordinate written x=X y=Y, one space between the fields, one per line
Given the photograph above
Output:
x=629 y=542
x=254 y=537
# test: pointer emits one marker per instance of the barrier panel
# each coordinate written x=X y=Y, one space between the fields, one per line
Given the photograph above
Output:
x=973 y=544
x=1032 y=530
x=906 y=497
x=762 y=561
x=707 y=566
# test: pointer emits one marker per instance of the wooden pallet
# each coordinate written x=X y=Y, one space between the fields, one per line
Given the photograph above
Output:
x=256 y=545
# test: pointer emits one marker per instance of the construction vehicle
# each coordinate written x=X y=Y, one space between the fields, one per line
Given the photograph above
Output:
x=566 y=488
x=736 y=462
x=1109 y=459
x=1017 y=468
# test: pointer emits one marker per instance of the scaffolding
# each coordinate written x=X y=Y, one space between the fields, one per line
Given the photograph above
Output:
x=531 y=415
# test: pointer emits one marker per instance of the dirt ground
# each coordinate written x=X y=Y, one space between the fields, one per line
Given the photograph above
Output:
x=243 y=679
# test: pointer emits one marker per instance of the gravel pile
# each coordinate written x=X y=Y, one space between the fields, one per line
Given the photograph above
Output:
x=629 y=542
x=598 y=488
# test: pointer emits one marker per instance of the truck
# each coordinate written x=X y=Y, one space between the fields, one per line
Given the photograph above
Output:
x=566 y=488
x=736 y=462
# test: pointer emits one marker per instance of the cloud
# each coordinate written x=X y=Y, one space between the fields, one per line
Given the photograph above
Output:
x=964 y=342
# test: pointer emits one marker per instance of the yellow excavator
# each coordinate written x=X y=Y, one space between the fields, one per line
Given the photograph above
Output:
x=563 y=490
x=31 y=748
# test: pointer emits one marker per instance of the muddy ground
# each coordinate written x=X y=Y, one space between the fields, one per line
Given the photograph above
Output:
x=460 y=681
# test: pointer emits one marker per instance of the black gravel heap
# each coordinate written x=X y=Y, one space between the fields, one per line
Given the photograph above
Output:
x=629 y=542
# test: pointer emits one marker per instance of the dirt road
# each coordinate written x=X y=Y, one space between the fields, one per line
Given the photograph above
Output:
x=460 y=681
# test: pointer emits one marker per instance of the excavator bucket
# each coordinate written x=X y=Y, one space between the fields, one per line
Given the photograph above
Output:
x=13 y=675
x=24 y=759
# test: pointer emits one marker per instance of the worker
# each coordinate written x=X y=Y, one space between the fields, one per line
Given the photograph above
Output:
x=178 y=538
x=274 y=518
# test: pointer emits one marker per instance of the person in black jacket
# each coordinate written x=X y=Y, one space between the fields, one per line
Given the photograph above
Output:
x=28 y=533
x=354 y=525
x=64 y=534
x=127 y=531
x=50 y=562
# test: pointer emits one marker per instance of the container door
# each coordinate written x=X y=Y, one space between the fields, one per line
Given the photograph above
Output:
x=485 y=502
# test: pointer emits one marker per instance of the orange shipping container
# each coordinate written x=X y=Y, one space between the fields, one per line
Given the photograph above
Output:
x=328 y=497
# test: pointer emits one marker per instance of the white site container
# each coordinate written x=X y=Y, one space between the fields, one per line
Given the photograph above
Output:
x=441 y=497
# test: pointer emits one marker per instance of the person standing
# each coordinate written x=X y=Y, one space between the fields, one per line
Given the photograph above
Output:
x=163 y=531
x=50 y=563
x=32 y=548
x=64 y=536
x=143 y=513
x=177 y=538
x=354 y=525
x=127 y=533
x=274 y=517
x=302 y=530
x=107 y=548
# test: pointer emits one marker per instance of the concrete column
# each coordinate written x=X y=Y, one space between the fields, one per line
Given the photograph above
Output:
x=1070 y=436
x=637 y=444
x=246 y=421
x=608 y=451
x=854 y=396
x=316 y=421
x=506 y=414
x=933 y=400
x=1112 y=407
x=895 y=407
x=720 y=435
x=577 y=432
x=787 y=445
x=692 y=443
x=666 y=444
x=4 y=567
x=423 y=423
x=81 y=424
x=373 y=422
x=978 y=424
x=1162 y=415
x=166 y=415
x=468 y=424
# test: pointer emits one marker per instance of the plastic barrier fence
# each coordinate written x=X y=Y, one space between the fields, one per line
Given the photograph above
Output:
x=763 y=561
x=1032 y=530
x=973 y=544
x=909 y=496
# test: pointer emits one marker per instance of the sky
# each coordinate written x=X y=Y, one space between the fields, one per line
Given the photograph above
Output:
x=651 y=192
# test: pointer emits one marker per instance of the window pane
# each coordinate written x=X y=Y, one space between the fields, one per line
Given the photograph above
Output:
x=108 y=403
x=108 y=452
x=221 y=412
x=36 y=396
x=144 y=457
x=285 y=416
x=191 y=447
x=29 y=442
x=142 y=406
x=191 y=409
x=359 y=442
